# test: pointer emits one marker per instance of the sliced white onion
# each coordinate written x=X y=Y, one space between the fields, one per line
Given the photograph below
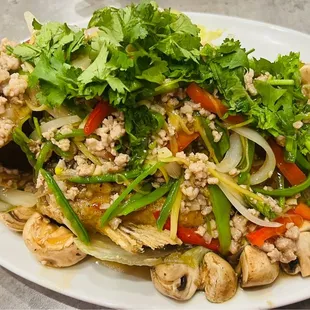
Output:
x=83 y=123
x=59 y=122
x=233 y=156
x=173 y=169
x=244 y=211
x=266 y=170
x=4 y=207
x=163 y=153
x=59 y=112
x=56 y=123
x=18 y=198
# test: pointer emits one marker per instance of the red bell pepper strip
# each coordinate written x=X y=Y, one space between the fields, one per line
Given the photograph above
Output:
x=290 y=170
x=189 y=236
x=184 y=140
x=210 y=103
x=181 y=141
x=303 y=210
x=259 y=236
x=97 y=115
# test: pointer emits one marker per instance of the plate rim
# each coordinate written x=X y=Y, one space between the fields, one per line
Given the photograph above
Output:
x=298 y=297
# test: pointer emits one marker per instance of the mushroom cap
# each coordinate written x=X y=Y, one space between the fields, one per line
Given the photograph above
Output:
x=303 y=253
x=256 y=268
x=176 y=280
x=292 y=268
x=218 y=278
x=305 y=226
x=17 y=218
x=52 y=245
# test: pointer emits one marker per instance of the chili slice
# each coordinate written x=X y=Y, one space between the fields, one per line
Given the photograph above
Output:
x=98 y=114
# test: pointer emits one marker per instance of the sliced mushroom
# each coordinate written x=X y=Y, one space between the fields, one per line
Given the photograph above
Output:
x=178 y=281
x=53 y=245
x=256 y=268
x=292 y=268
x=305 y=226
x=219 y=278
x=303 y=253
x=305 y=74
x=178 y=276
x=17 y=218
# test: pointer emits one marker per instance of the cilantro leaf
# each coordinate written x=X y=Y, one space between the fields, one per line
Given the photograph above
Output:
x=232 y=89
x=270 y=95
x=140 y=123
x=155 y=73
x=98 y=69
x=234 y=60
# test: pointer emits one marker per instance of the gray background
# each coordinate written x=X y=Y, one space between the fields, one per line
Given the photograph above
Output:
x=16 y=293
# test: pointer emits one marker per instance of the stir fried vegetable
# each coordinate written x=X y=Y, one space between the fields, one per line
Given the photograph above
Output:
x=115 y=177
x=286 y=192
x=190 y=236
x=74 y=133
x=280 y=184
x=302 y=161
x=303 y=210
x=115 y=205
x=246 y=163
x=221 y=209
x=184 y=140
x=67 y=210
x=21 y=139
x=43 y=156
x=210 y=103
x=290 y=170
x=167 y=206
x=258 y=237
x=100 y=112
x=146 y=200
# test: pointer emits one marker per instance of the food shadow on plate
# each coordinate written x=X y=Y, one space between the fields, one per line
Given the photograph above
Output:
x=137 y=273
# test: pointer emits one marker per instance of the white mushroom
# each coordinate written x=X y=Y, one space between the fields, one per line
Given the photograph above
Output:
x=17 y=218
x=305 y=74
x=305 y=226
x=53 y=245
x=219 y=278
x=256 y=268
x=303 y=253
x=292 y=268
x=302 y=263
x=178 y=281
x=178 y=277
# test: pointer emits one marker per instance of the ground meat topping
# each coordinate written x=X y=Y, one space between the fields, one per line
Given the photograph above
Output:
x=284 y=248
x=63 y=144
x=194 y=187
x=248 y=81
x=239 y=228
x=17 y=85
x=83 y=166
x=69 y=192
x=111 y=130
x=6 y=127
x=12 y=89
x=208 y=232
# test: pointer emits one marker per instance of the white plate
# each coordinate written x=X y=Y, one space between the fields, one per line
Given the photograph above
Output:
x=97 y=284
